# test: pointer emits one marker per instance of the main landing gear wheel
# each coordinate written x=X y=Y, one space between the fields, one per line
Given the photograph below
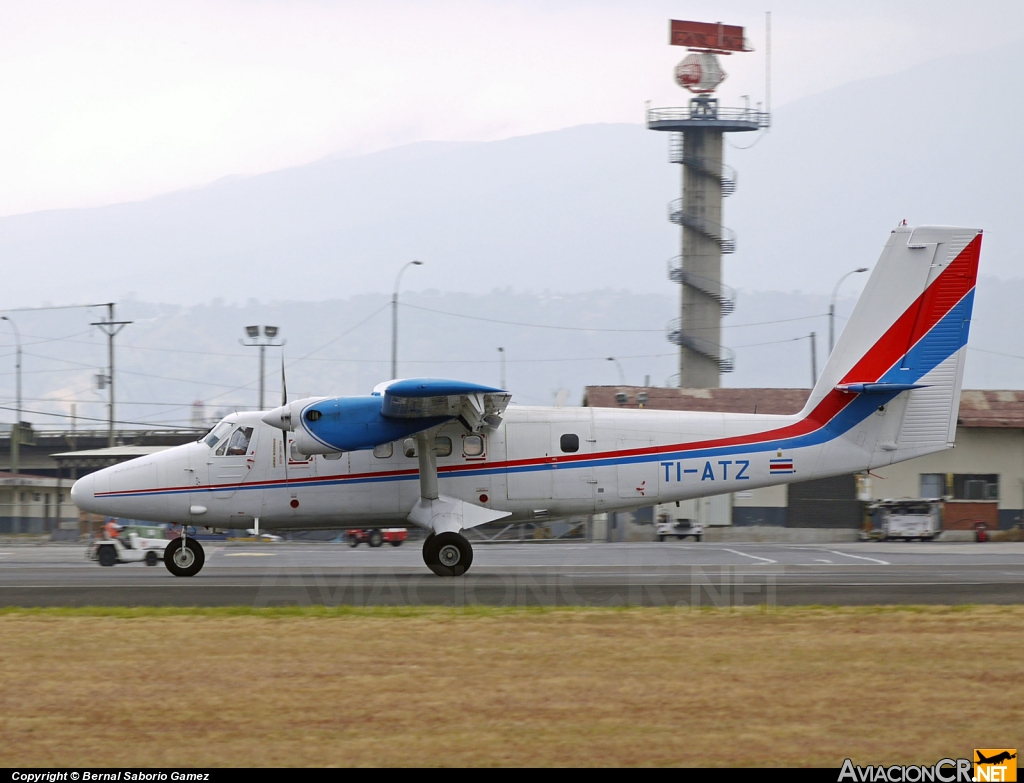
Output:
x=447 y=554
x=184 y=557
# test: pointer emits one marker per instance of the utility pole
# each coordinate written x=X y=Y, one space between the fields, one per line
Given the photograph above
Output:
x=110 y=328
x=16 y=429
x=501 y=354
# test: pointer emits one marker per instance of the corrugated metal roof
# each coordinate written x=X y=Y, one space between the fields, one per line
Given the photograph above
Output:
x=978 y=408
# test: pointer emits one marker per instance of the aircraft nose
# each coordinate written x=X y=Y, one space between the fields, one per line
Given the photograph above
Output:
x=83 y=493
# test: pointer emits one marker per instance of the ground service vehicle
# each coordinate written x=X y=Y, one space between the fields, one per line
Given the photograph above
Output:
x=680 y=529
x=391 y=535
x=909 y=520
x=448 y=455
x=129 y=549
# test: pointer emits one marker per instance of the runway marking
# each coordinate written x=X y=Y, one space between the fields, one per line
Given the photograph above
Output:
x=755 y=557
x=860 y=557
x=250 y=554
x=823 y=560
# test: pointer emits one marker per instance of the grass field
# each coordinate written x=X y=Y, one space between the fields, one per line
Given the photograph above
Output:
x=435 y=686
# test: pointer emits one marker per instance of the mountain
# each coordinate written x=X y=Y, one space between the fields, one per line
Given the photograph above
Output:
x=571 y=210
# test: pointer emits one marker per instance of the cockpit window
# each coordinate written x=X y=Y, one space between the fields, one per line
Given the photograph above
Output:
x=218 y=432
x=237 y=444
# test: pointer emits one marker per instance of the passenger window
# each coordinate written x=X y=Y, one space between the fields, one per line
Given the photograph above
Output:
x=442 y=446
x=409 y=447
x=239 y=442
x=569 y=443
x=473 y=445
x=384 y=450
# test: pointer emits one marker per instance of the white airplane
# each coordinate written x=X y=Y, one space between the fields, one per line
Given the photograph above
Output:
x=448 y=456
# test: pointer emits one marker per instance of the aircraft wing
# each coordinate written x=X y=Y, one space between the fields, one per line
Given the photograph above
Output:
x=395 y=410
x=474 y=405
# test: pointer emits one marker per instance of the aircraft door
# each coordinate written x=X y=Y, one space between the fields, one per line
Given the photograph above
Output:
x=301 y=468
x=573 y=477
x=637 y=475
x=529 y=444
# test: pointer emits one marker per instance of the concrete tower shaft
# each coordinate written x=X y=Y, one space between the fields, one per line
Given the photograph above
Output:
x=696 y=142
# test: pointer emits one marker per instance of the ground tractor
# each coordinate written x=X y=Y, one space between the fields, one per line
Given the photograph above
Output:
x=131 y=549
x=389 y=535
x=679 y=529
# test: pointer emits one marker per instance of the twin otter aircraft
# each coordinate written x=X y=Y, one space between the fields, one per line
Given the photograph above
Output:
x=449 y=456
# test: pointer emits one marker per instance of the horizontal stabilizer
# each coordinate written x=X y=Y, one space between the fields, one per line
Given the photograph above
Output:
x=879 y=388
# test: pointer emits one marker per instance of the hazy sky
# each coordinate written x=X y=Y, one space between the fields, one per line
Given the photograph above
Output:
x=119 y=100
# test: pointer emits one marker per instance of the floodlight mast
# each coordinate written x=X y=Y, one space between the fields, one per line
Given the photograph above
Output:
x=269 y=333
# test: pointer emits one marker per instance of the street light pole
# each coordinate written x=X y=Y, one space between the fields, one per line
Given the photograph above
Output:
x=832 y=308
x=16 y=429
x=622 y=375
x=814 y=359
x=394 y=318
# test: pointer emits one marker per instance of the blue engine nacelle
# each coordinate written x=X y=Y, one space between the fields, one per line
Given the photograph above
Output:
x=335 y=424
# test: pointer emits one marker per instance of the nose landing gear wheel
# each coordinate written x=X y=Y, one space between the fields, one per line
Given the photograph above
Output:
x=447 y=554
x=184 y=559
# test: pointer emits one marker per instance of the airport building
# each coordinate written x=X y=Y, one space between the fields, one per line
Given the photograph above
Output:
x=983 y=475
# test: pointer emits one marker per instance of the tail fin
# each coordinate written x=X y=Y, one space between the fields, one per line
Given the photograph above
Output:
x=907 y=337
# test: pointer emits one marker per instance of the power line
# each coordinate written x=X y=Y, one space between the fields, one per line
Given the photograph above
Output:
x=596 y=329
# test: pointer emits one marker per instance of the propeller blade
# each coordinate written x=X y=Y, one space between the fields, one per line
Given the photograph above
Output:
x=284 y=383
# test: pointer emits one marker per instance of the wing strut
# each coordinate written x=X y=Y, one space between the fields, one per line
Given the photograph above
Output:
x=441 y=513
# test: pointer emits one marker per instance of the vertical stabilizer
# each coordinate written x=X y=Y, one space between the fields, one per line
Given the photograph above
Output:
x=904 y=344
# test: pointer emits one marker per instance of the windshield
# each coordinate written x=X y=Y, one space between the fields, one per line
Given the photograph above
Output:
x=216 y=434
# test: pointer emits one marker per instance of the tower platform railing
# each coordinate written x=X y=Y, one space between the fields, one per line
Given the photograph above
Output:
x=726 y=117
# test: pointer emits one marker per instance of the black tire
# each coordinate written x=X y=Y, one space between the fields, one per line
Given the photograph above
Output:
x=398 y=542
x=447 y=554
x=699 y=537
x=376 y=538
x=187 y=563
x=661 y=537
x=353 y=541
x=151 y=558
x=107 y=555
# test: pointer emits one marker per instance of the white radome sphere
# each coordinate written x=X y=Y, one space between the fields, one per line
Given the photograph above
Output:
x=699 y=72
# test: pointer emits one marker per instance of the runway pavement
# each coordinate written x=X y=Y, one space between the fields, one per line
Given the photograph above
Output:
x=652 y=574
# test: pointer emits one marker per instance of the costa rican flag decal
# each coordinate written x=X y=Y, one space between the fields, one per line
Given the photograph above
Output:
x=781 y=465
